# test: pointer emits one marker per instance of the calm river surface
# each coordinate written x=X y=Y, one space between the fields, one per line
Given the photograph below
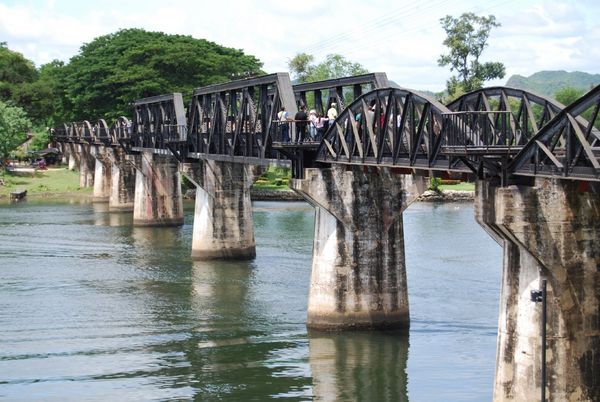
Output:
x=92 y=309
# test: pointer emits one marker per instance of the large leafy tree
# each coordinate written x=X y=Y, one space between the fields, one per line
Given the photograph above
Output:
x=466 y=38
x=15 y=71
x=37 y=91
x=113 y=70
x=334 y=66
x=14 y=125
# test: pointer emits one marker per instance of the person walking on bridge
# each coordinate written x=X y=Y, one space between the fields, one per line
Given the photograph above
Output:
x=284 y=126
x=301 y=124
x=332 y=113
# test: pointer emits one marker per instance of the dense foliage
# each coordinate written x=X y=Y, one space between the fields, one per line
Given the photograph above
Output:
x=466 y=38
x=334 y=66
x=13 y=129
x=109 y=73
x=34 y=90
x=113 y=70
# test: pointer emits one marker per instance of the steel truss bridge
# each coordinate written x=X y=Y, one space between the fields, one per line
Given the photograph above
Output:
x=496 y=133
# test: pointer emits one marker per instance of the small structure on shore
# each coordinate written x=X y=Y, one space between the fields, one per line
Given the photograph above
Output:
x=18 y=195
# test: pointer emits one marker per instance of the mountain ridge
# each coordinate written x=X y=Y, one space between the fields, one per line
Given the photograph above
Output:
x=548 y=82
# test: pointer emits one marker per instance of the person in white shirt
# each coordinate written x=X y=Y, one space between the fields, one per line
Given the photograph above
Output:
x=332 y=113
x=284 y=126
x=312 y=127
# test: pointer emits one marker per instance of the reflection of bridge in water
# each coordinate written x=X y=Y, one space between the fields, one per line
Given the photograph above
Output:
x=535 y=163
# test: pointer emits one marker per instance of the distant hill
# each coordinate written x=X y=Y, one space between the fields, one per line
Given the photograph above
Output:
x=548 y=82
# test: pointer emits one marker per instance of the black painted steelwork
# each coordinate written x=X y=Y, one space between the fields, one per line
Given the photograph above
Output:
x=527 y=111
x=568 y=146
x=157 y=121
x=337 y=90
x=235 y=121
x=391 y=127
x=495 y=132
x=531 y=138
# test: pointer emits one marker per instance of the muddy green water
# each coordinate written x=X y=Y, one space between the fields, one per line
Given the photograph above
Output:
x=92 y=309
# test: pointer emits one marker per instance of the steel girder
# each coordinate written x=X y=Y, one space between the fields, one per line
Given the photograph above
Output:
x=338 y=90
x=391 y=127
x=526 y=111
x=235 y=120
x=568 y=146
x=157 y=121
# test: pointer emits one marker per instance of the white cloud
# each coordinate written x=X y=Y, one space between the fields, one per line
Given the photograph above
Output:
x=402 y=38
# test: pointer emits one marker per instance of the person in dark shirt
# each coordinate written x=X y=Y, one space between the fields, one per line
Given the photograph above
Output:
x=301 y=124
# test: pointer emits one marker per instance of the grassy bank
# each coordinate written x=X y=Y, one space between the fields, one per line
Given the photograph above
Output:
x=462 y=186
x=275 y=178
x=54 y=181
x=61 y=181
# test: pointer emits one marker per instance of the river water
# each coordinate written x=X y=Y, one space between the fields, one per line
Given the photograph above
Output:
x=92 y=309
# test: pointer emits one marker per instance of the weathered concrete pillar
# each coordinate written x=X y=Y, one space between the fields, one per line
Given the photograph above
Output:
x=550 y=231
x=223 y=223
x=64 y=152
x=122 y=189
x=102 y=173
x=358 y=270
x=87 y=166
x=158 y=200
x=74 y=156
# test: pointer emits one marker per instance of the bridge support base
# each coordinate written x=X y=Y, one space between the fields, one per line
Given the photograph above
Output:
x=102 y=174
x=223 y=224
x=550 y=231
x=64 y=152
x=358 y=271
x=158 y=200
x=87 y=166
x=122 y=189
x=74 y=156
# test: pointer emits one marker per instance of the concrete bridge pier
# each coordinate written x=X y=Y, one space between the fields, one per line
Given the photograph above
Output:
x=74 y=156
x=158 y=200
x=549 y=231
x=122 y=188
x=64 y=152
x=102 y=173
x=223 y=223
x=358 y=271
x=87 y=166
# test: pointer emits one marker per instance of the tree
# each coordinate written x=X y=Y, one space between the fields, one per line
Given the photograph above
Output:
x=13 y=129
x=334 y=66
x=568 y=95
x=37 y=91
x=15 y=70
x=113 y=70
x=466 y=38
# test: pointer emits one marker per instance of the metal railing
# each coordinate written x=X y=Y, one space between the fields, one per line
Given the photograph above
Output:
x=489 y=132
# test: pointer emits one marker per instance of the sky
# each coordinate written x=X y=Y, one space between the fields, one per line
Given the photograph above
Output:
x=401 y=38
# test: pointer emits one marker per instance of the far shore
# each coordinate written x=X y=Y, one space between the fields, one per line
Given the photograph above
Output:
x=60 y=184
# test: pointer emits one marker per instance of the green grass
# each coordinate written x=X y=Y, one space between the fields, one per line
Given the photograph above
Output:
x=52 y=181
x=463 y=186
x=275 y=178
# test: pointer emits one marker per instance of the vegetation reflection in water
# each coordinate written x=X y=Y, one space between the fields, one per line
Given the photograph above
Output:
x=99 y=310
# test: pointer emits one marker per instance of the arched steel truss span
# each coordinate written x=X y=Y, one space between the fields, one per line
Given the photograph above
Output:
x=526 y=112
x=568 y=146
x=392 y=127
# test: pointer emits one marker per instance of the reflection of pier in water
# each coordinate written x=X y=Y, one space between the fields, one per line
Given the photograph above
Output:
x=230 y=354
x=361 y=366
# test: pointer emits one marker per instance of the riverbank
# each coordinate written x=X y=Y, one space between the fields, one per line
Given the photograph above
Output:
x=61 y=183
x=261 y=194
x=51 y=183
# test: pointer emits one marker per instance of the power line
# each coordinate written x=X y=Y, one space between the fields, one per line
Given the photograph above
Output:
x=372 y=25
